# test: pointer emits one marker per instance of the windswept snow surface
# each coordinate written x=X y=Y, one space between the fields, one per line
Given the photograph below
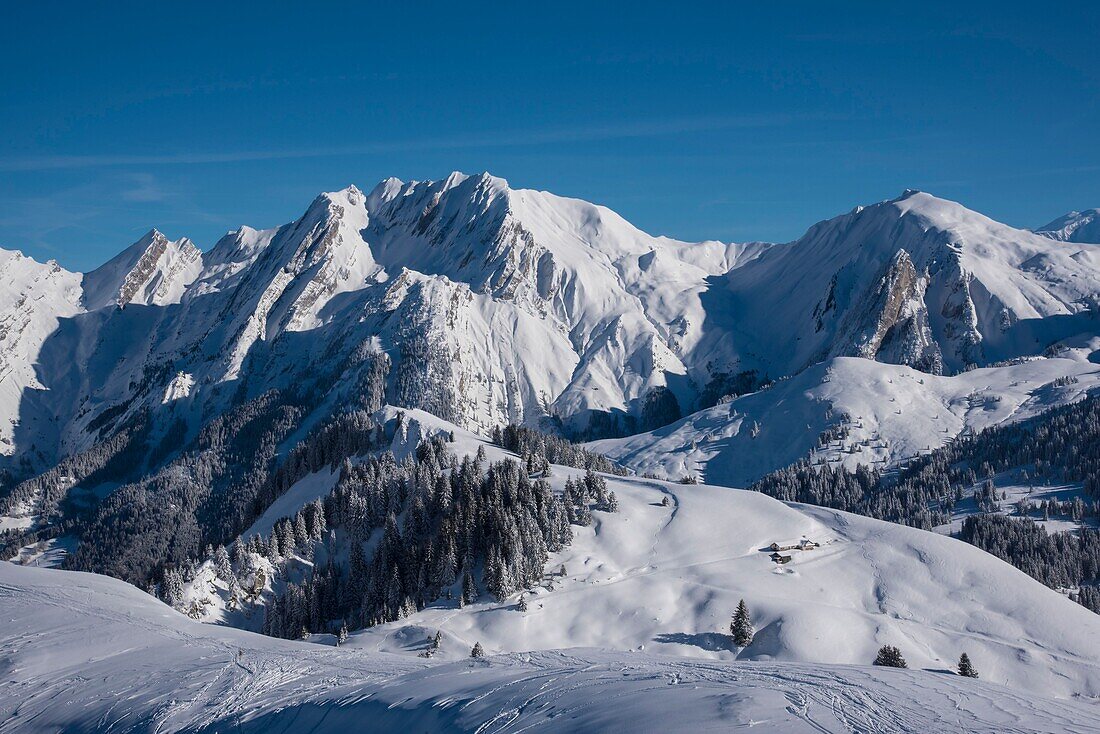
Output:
x=88 y=653
x=891 y=413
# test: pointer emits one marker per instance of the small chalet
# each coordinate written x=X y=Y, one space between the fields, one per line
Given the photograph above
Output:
x=807 y=544
x=780 y=558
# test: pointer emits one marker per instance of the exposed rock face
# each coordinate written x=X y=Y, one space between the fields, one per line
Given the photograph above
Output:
x=154 y=271
x=889 y=322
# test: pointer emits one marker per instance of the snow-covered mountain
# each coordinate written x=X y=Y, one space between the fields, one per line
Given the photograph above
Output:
x=34 y=298
x=1074 y=227
x=916 y=280
x=514 y=306
x=174 y=399
x=495 y=305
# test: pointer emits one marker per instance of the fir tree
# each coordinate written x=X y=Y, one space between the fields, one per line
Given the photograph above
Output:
x=891 y=657
x=469 y=588
x=172 y=592
x=966 y=669
x=741 y=627
x=521 y=605
x=223 y=569
x=342 y=635
x=477 y=651
x=437 y=640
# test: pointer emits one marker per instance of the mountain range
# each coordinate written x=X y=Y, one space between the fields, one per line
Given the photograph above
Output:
x=513 y=306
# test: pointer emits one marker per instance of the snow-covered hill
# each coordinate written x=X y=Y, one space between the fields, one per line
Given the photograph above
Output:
x=667 y=579
x=87 y=653
x=1074 y=227
x=664 y=573
x=874 y=413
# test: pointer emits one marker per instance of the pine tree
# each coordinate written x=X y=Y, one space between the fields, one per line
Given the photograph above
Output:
x=477 y=652
x=437 y=641
x=172 y=593
x=342 y=635
x=469 y=588
x=223 y=569
x=891 y=657
x=966 y=669
x=521 y=605
x=741 y=627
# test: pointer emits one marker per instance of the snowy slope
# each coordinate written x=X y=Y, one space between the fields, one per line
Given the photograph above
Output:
x=1074 y=227
x=890 y=413
x=90 y=653
x=666 y=580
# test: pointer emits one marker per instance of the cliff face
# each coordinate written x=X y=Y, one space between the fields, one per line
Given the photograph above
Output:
x=890 y=320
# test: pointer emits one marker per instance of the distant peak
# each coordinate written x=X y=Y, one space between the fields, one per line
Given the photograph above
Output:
x=454 y=179
x=153 y=235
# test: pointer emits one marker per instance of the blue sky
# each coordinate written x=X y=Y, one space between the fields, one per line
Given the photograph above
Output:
x=692 y=120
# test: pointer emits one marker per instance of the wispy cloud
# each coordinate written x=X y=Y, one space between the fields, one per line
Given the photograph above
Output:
x=578 y=134
x=143 y=188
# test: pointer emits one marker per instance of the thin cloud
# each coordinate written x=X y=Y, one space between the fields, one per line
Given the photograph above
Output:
x=642 y=129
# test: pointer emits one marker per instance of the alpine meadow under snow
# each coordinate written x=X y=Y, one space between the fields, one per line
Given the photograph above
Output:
x=452 y=455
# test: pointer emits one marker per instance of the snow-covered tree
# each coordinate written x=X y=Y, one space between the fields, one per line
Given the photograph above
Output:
x=891 y=657
x=172 y=588
x=469 y=588
x=477 y=651
x=966 y=668
x=741 y=627
x=223 y=569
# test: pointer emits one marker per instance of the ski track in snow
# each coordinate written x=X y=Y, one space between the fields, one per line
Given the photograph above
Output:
x=64 y=671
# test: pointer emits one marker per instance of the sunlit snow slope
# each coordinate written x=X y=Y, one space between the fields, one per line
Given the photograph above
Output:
x=88 y=653
x=890 y=413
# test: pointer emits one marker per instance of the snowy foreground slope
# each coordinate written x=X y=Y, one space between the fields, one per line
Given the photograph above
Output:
x=88 y=653
x=888 y=412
